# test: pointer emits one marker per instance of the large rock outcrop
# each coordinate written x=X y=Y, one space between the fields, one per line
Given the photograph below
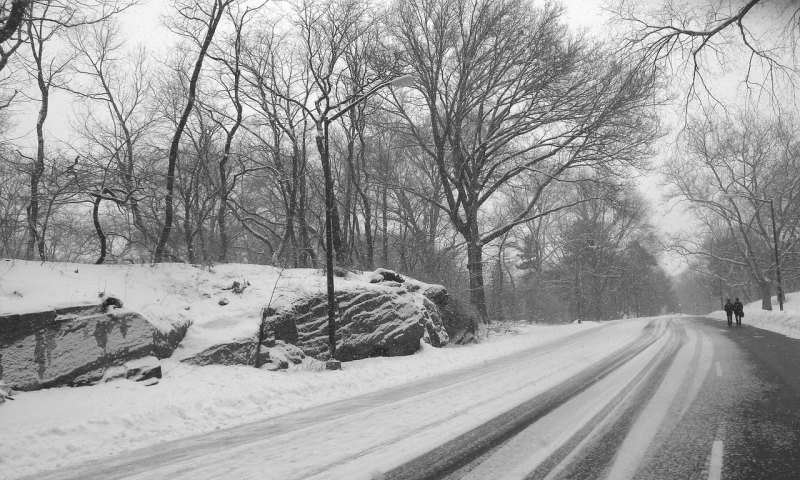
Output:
x=460 y=320
x=75 y=345
x=377 y=321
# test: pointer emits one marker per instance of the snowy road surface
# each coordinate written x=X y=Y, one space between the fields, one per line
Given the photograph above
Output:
x=656 y=398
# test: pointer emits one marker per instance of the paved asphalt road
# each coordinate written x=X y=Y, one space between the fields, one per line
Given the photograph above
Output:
x=689 y=398
x=734 y=413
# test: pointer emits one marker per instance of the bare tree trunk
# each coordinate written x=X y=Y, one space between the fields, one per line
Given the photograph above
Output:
x=100 y=235
x=385 y=224
x=187 y=229
x=211 y=27
x=475 y=267
x=766 y=294
x=34 y=236
x=14 y=19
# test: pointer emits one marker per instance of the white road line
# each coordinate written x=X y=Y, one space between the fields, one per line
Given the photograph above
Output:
x=715 y=469
x=719 y=369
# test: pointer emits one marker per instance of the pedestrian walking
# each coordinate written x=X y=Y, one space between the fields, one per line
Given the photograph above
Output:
x=738 y=311
x=728 y=311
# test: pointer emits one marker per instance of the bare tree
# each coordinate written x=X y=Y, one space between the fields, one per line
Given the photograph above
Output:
x=230 y=79
x=279 y=87
x=49 y=20
x=704 y=36
x=731 y=172
x=121 y=85
x=508 y=95
x=11 y=17
x=197 y=25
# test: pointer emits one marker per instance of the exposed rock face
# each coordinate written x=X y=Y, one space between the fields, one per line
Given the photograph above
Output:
x=273 y=355
x=370 y=322
x=74 y=345
x=142 y=369
x=238 y=352
x=460 y=321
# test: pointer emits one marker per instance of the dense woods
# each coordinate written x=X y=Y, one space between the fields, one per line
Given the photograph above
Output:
x=476 y=143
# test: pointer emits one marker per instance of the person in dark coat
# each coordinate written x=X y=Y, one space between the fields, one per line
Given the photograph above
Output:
x=738 y=311
x=728 y=311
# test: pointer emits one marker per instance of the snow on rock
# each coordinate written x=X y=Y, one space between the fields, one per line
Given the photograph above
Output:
x=378 y=320
x=73 y=345
x=5 y=392
x=237 y=352
x=283 y=355
x=143 y=369
x=384 y=274
x=786 y=322
x=460 y=321
x=172 y=296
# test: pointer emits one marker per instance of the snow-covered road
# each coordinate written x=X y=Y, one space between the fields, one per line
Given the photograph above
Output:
x=384 y=431
x=654 y=398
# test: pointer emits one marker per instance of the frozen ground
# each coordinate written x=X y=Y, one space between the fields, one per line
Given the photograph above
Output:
x=57 y=427
x=786 y=322
x=166 y=293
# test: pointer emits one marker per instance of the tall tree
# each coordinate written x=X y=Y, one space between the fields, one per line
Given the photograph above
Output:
x=230 y=80
x=510 y=96
x=196 y=23
x=119 y=82
x=734 y=172
x=50 y=19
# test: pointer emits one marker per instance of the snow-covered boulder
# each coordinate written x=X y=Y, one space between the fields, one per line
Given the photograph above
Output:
x=143 y=369
x=283 y=354
x=460 y=321
x=384 y=274
x=273 y=355
x=237 y=352
x=371 y=321
x=75 y=345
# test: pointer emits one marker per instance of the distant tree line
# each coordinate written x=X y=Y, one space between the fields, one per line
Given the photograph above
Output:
x=739 y=173
x=504 y=167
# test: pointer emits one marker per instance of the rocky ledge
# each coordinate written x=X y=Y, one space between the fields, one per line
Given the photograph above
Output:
x=76 y=345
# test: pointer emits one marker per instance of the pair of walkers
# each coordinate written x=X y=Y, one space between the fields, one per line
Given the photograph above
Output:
x=734 y=309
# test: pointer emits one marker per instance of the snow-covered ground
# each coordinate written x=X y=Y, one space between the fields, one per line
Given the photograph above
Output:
x=167 y=293
x=786 y=322
x=54 y=428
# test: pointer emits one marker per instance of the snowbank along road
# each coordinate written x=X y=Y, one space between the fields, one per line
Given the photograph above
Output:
x=657 y=398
